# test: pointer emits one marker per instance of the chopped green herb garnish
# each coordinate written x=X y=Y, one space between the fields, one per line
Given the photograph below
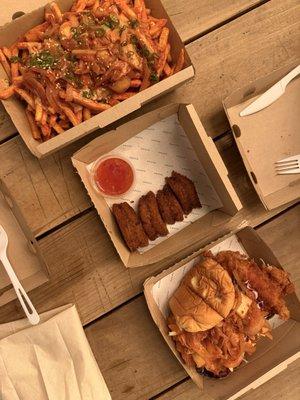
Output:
x=14 y=59
x=112 y=21
x=87 y=94
x=44 y=60
x=100 y=32
x=134 y=23
x=154 y=77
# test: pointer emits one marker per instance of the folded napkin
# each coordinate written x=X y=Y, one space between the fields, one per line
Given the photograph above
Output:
x=49 y=361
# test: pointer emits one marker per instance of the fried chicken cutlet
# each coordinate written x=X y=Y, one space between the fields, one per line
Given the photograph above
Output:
x=169 y=206
x=185 y=191
x=130 y=226
x=152 y=222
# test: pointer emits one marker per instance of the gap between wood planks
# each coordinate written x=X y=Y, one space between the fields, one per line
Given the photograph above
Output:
x=226 y=21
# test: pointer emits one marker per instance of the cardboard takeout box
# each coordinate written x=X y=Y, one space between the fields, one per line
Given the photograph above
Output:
x=271 y=356
x=16 y=109
x=23 y=251
x=269 y=135
x=154 y=156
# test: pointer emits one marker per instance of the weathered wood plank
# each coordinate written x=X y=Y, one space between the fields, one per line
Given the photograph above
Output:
x=253 y=45
x=85 y=268
x=190 y=18
x=138 y=368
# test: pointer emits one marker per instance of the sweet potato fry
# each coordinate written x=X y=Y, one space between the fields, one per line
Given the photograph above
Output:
x=36 y=134
x=5 y=64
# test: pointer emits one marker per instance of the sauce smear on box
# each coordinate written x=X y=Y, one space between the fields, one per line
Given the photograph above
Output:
x=114 y=176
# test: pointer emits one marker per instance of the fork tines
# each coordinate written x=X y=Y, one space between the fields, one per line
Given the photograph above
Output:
x=289 y=165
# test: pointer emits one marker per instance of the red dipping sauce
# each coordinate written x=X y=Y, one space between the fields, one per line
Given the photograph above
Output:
x=113 y=176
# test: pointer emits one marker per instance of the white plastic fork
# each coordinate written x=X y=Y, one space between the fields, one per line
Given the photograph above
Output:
x=27 y=306
x=290 y=165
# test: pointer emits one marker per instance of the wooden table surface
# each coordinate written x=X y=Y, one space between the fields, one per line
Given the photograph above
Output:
x=231 y=42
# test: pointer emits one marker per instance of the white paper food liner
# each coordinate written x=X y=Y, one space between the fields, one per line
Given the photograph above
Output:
x=163 y=290
x=155 y=153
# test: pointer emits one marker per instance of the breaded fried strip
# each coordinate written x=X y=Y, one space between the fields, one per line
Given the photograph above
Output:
x=185 y=191
x=153 y=224
x=130 y=226
x=169 y=206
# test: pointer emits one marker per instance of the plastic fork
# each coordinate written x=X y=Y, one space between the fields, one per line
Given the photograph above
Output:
x=290 y=165
x=27 y=306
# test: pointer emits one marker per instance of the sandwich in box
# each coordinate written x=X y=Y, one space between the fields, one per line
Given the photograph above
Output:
x=80 y=66
x=186 y=300
x=169 y=146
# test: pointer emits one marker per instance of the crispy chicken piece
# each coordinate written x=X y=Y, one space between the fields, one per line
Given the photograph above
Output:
x=185 y=191
x=150 y=216
x=270 y=285
x=130 y=226
x=169 y=206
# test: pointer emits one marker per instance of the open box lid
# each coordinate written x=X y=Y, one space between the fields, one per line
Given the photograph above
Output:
x=205 y=150
x=23 y=251
x=10 y=32
x=271 y=356
x=268 y=136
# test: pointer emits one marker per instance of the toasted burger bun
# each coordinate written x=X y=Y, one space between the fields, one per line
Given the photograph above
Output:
x=204 y=298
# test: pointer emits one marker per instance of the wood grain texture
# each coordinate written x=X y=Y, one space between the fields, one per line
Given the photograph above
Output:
x=239 y=52
x=191 y=19
x=138 y=368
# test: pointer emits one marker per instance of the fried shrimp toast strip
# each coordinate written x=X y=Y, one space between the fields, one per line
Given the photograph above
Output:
x=185 y=191
x=152 y=222
x=169 y=206
x=130 y=226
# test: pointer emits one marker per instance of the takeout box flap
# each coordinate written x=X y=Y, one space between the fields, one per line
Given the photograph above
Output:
x=186 y=239
x=271 y=357
x=268 y=136
x=10 y=32
x=23 y=250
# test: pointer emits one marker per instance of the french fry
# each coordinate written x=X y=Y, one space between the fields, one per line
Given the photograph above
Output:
x=91 y=104
x=128 y=11
x=180 y=62
x=46 y=131
x=56 y=12
x=7 y=92
x=146 y=79
x=68 y=96
x=168 y=71
x=6 y=52
x=25 y=96
x=135 y=83
x=163 y=39
x=69 y=113
x=14 y=66
x=36 y=34
x=52 y=120
x=5 y=64
x=38 y=109
x=86 y=114
x=36 y=134
x=58 y=129
x=163 y=60
x=96 y=5
x=123 y=96
x=79 y=5
x=79 y=115
x=44 y=118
